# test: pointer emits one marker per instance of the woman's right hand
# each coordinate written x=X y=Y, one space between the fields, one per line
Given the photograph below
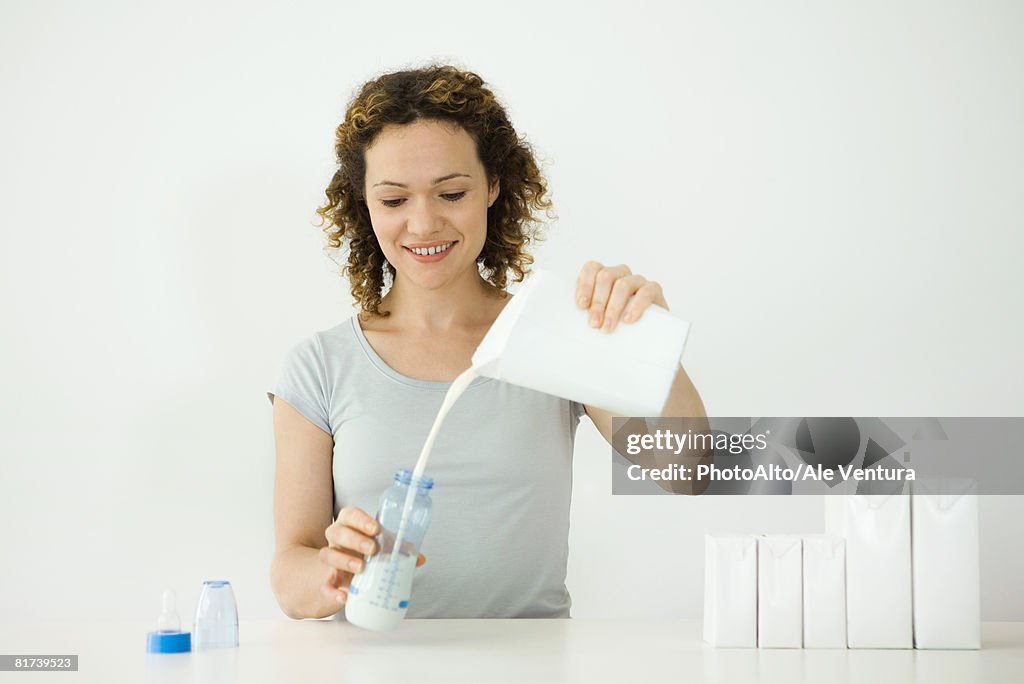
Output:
x=349 y=538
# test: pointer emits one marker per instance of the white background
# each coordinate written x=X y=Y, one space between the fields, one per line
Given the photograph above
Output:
x=831 y=192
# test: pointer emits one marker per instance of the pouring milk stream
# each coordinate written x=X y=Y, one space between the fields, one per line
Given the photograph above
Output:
x=542 y=341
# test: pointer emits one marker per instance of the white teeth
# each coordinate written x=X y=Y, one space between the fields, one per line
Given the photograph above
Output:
x=426 y=251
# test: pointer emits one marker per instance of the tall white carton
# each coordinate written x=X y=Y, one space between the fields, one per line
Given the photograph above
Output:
x=730 y=591
x=824 y=591
x=779 y=593
x=878 y=580
x=947 y=586
x=542 y=341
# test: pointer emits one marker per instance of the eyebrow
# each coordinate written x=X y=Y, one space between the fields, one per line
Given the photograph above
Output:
x=436 y=180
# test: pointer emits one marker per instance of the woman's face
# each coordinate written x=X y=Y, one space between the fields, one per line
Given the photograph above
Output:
x=427 y=190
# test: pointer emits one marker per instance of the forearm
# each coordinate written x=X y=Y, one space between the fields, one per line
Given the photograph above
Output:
x=296 y=576
x=685 y=407
x=683 y=400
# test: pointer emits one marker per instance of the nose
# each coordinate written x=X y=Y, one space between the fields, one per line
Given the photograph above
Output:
x=423 y=220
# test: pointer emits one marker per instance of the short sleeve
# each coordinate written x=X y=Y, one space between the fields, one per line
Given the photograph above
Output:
x=576 y=412
x=302 y=383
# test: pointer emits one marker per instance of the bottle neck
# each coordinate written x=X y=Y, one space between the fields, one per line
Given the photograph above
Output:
x=421 y=489
x=423 y=484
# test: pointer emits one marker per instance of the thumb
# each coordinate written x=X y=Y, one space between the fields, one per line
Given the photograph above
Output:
x=420 y=560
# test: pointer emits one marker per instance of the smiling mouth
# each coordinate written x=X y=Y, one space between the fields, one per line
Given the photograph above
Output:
x=429 y=251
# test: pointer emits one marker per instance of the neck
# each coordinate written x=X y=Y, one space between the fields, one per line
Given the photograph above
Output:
x=459 y=304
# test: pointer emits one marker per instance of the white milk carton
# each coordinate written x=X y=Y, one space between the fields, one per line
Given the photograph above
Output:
x=542 y=341
x=824 y=591
x=947 y=585
x=730 y=591
x=779 y=592
x=878 y=583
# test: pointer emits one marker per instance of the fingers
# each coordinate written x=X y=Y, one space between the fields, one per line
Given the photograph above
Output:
x=420 y=560
x=339 y=580
x=358 y=519
x=621 y=295
x=334 y=589
x=604 y=280
x=348 y=538
x=340 y=560
x=614 y=293
x=594 y=290
x=347 y=532
x=585 y=283
x=647 y=294
x=603 y=283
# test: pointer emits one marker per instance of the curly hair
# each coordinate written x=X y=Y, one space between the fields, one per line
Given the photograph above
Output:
x=442 y=93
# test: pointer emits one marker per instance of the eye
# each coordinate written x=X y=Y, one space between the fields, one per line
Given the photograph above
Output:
x=392 y=202
x=454 y=196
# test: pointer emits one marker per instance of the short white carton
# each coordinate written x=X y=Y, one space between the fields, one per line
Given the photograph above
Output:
x=947 y=586
x=730 y=591
x=779 y=593
x=824 y=591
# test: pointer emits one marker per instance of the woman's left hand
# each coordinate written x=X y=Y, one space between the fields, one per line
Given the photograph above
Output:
x=614 y=293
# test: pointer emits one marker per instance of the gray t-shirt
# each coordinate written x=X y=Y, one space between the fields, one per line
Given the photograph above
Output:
x=497 y=545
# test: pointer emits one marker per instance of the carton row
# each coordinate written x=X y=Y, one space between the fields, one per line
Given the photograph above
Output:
x=897 y=571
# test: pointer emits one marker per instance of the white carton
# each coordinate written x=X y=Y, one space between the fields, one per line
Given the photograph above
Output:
x=779 y=600
x=541 y=340
x=947 y=608
x=878 y=589
x=730 y=591
x=824 y=591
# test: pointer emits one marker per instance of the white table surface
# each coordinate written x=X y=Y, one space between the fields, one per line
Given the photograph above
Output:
x=425 y=651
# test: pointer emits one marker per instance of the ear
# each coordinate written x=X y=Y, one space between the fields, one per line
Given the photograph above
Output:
x=493 y=192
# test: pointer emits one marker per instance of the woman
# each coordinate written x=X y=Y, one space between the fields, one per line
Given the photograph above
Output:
x=437 y=193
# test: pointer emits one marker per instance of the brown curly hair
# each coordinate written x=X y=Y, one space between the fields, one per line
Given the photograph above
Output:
x=443 y=93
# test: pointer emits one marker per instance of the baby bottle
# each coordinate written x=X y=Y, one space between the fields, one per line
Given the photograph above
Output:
x=379 y=595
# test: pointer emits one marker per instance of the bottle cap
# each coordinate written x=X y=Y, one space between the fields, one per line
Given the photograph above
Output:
x=216 y=622
x=168 y=637
x=168 y=642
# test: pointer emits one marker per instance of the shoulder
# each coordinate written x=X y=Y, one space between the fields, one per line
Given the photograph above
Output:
x=317 y=347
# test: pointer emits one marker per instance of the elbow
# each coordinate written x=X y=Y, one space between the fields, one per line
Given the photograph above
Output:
x=296 y=601
x=290 y=613
x=279 y=586
x=288 y=609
